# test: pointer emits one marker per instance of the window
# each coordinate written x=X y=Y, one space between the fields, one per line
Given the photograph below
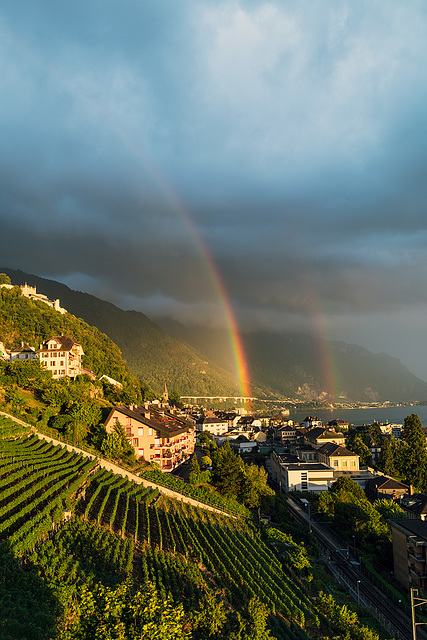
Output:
x=344 y=463
x=129 y=431
x=52 y=363
x=135 y=441
x=140 y=431
x=62 y=363
x=335 y=463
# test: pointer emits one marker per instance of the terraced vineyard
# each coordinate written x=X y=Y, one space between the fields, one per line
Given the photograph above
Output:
x=114 y=529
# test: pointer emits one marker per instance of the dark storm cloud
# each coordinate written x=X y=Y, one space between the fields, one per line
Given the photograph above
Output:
x=288 y=140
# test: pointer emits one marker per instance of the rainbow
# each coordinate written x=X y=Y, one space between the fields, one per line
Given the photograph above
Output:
x=76 y=91
x=216 y=280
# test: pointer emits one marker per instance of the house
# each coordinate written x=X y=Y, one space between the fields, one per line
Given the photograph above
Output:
x=338 y=457
x=243 y=445
x=384 y=487
x=246 y=423
x=111 y=381
x=24 y=352
x=310 y=422
x=305 y=452
x=228 y=416
x=300 y=476
x=62 y=356
x=31 y=292
x=215 y=426
x=286 y=434
x=157 y=436
x=338 y=424
x=410 y=552
x=415 y=505
x=320 y=436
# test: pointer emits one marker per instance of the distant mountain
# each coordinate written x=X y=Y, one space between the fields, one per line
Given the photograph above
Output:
x=198 y=360
x=152 y=355
x=300 y=366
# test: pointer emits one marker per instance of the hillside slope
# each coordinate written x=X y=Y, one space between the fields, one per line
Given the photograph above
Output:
x=151 y=353
x=300 y=366
x=25 y=320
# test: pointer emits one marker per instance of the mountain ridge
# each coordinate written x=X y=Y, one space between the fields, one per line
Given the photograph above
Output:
x=198 y=360
x=152 y=355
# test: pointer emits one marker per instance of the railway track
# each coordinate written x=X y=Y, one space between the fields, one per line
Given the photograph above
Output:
x=395 y=620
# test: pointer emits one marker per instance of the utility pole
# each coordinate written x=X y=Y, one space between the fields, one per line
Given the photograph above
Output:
x=415 y=602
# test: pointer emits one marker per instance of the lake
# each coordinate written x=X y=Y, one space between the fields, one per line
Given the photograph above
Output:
x=364 y=416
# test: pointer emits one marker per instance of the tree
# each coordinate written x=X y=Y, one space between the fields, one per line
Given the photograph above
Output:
x=194 y=470
x=416 y=456
x=126 y=614
x=355 y=443
x=228 y=474
x=209 y=621
x=83 y=416
x=386 y=462
x=297 y=553
x=175 y=400
x=347 y=484
x=4 y=279
x=115 y=444
x=253 y=623
x=375 y=434
x=206 y=461
x=254 y=486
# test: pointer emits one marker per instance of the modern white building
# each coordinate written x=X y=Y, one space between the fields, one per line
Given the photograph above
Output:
x=300 y=476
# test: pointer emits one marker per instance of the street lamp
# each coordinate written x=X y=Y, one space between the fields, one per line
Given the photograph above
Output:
x=358 y=591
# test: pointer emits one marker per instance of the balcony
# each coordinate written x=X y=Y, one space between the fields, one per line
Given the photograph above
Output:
x=416 y=555
x=419 y=574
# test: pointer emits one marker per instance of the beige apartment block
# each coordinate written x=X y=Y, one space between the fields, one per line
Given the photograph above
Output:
x=156 y=435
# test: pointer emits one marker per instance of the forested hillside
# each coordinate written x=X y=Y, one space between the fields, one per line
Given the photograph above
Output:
x=301 y=366
x=25 y=320
x=152 y=354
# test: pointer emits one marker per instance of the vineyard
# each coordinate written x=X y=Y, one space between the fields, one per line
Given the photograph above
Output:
x=71 y=526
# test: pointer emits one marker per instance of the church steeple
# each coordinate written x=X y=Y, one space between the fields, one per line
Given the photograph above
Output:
x=165 y=394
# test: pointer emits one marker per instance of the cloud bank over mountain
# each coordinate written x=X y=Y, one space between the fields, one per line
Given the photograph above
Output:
x=282 y=142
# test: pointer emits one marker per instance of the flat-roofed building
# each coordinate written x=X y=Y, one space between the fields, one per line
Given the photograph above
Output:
x=410 y=552
x=300 y=476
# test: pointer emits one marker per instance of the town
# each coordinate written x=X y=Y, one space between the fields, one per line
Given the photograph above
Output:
x=330 y=501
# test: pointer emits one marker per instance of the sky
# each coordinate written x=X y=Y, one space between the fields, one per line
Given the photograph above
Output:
x=162 y=154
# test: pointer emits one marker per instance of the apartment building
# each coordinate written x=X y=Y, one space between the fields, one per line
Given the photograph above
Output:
x=155 y=434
